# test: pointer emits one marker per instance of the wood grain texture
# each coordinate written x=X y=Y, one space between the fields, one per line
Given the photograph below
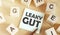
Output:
x=46 y=25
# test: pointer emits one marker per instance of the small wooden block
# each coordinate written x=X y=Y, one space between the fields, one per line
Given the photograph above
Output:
x=26 y=2
x=50 y=8
x=12 y=29
x=52 y=18
x=39 y=2
x=51 y=31
x=15 y=11
x=2 y=19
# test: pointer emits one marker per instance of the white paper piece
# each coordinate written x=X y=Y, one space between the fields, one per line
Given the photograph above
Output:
x=52 y=18
x=2 y=19
x=58 y=29
x=51 y=7
x=38 y=2
x=12 y=29
x=31 y=20
x=15 y=11
x=26 y=2
x=51 y=31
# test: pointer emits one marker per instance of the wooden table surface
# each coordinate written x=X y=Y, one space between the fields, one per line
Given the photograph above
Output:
x=5 y=8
